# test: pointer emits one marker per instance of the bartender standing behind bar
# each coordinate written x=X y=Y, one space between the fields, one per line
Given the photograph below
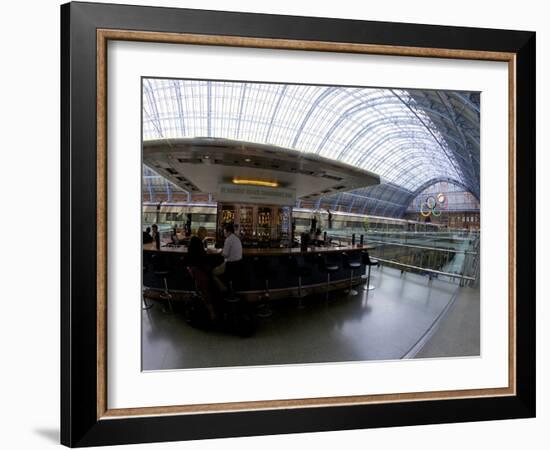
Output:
x=187 y=226
x=155 y=236
x=232 y=252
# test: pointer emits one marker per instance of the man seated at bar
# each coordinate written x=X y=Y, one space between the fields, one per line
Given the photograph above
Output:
x=317 y=241
x=147 y=238
x=155 y=235
x=174 y=236
x=305 y=241
x=232 y=253
x=199 y=269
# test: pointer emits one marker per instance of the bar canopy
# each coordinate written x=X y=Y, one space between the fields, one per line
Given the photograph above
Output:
x=208 y=164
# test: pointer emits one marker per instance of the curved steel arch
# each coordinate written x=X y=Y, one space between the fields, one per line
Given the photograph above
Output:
x=346 y=115
x=456 y=182
x=151 y=94
x=328 y=91
x=179 y=102
x=435 y=112
x=371 y=127
x=275 y=111
x=396 y=137
x=443 y=147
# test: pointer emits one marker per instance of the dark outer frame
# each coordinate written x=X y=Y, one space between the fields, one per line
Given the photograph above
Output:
x=80 y=425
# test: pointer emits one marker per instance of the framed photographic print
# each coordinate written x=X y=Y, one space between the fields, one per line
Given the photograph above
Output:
x=277 y=224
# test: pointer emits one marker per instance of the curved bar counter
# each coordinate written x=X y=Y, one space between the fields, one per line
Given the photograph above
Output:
x=278 y=263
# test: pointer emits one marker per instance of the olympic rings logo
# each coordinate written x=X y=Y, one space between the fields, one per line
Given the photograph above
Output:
x=432 y=206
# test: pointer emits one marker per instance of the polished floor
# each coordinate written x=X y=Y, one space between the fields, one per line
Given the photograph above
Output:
x=457 y=332
x=405 y=316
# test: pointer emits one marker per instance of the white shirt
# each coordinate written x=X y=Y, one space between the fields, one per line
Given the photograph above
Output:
x=232 y=248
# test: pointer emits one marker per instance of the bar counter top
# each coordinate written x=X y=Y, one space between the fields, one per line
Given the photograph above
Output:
x=264 y=270
x=264 y=251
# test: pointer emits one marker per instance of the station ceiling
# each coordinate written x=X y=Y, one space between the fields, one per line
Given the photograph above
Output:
x=410 y=138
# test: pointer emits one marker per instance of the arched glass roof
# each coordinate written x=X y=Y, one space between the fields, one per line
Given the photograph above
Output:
x=410 y=138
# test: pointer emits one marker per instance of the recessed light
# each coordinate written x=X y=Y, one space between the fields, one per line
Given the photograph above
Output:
x=247 y=160
x=255 y=182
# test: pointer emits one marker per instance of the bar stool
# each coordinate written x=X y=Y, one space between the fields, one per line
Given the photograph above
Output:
x=352 y=266
x=328 y=268
x=231 y=276
x=161 y=271
x=300 y=269
x=191 y=276
x=261 y=271
x=238 y=318
x=198 y=307
x=368 y=263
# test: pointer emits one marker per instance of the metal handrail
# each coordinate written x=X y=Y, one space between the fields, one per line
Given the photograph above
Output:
x=423 y=269
x=439 y=249
x=406 y=234
x=401 y=244
x=470 y=261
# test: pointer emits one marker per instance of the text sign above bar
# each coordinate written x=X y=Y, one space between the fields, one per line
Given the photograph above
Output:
x=256 y=194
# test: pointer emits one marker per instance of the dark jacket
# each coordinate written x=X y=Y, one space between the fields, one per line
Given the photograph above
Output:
x=196 y=254
x=147 y=238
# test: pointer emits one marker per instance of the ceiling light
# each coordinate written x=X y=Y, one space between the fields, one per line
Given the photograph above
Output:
x=255 y=182
x=247 y=160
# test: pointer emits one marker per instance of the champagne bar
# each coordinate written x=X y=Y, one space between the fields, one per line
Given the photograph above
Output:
x=255 y=189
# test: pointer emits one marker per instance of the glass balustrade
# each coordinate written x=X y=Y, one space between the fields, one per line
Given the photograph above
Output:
x=452 y=256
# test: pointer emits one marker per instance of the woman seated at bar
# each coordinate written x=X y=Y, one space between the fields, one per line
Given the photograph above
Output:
x=199 y=269
x=147 y=238
x=232 y=253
